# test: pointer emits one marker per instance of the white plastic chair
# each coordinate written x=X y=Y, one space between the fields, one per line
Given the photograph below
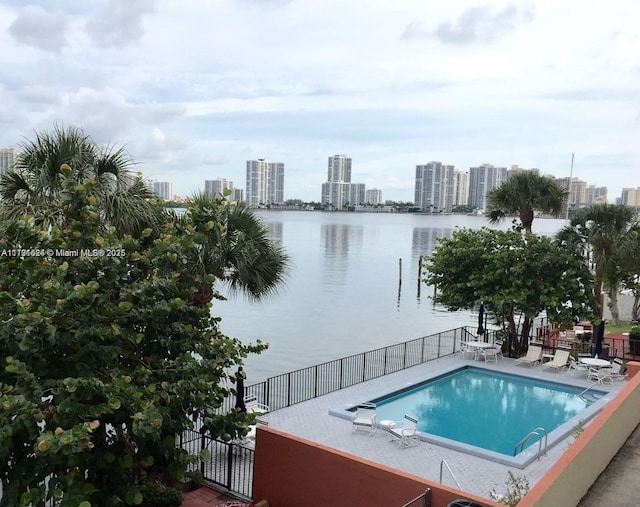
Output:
x=365 y=419
x=576 y=367
x=407 y=435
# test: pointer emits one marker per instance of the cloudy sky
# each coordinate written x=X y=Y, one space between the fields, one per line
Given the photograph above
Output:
x=194 y=88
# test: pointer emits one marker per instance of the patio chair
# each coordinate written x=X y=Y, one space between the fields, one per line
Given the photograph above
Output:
x=465 y=349
x=600 y=375
x=492 y=353
x=576 y=367
x=618 y=370
x=560 y=359
x=407 y=434
x=365 y=419
x=254 y=406
x=534 y=355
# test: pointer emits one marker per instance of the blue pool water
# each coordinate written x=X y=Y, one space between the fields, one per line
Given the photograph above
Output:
x=486 y=409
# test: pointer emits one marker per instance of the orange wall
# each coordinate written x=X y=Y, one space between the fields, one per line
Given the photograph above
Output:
x=293 y=472
x=569 y=479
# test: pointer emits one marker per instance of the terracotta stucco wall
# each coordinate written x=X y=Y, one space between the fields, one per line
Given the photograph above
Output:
x=293 y=472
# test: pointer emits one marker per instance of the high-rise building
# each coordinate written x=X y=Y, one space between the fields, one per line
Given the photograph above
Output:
x=163 y=189
x=218 y=186
x=482 y=179
x=435 y=184
x=8 y=158
x=596 y=195
x=461 y=188
x=339 y=169
x=238 y=195
x=373 y=196
x=338 y=192
x=339 y=195
x=516 y=169
x=577 y=190
x=265 y=182
x=630 y=197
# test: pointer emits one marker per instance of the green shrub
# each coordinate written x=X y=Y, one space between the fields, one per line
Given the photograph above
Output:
x=156 y=494
x=634 y=334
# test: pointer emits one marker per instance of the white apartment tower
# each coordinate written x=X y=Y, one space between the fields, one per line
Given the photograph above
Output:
x=8 y=158
x=435 y=185
x=373 y=196
x=339 y=169
x=218 y=186
x=163 y=189
x=265 y=182
x=461 y=188
x=482 y=179
x=338 y=192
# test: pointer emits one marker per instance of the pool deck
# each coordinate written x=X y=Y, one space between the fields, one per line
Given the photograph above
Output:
x=311 y=420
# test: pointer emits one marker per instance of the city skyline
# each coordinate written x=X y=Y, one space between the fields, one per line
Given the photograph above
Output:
x=195 y=92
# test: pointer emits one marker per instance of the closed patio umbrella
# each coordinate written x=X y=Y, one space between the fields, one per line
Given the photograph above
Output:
x=599 y=339
x=240 y=376
x=480 y=321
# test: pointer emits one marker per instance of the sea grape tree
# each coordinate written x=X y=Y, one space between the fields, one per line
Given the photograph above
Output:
x=104 y=358
x=517 y=277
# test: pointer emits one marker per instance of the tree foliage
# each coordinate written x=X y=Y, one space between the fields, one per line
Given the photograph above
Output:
x=603 y=235
x=523 y=194
x=512 y=275
x=105 y=359
x=34 y=186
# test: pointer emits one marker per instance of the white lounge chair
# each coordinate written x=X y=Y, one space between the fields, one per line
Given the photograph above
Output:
x=365 y=418
x=407 y=434
x=560 y=359
x=534 y=355
x=254 y=406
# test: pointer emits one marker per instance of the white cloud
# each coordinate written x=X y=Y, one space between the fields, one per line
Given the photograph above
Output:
x=37 y=27
x=119 y=22
x=193 y=89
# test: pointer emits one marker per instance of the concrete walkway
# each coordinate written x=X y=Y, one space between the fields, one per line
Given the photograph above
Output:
x=619 y=484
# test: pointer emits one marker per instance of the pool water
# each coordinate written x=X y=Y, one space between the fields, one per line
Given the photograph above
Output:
x=486 y=409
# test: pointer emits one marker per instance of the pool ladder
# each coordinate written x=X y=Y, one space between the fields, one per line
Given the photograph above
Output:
x=538 y=432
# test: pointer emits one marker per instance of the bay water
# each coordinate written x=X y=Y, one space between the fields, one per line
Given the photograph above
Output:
x=352 y=287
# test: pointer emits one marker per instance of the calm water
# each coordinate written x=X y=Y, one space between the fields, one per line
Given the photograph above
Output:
x=489 y=410
x=343 y=294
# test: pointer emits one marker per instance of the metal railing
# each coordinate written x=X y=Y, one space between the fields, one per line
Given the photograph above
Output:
x=304 y=384
x=443 y=462
x=423 y=500
x=231 y=464
x=538 y=432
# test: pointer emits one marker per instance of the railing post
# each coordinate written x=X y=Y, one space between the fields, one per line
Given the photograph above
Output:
x=364 y=366
x=384 y=363
x=289 y=389
x=315 y=383
x=230 y=451
x=427 y=497
x=404 y=356
x=203 y=446
x=341 y=372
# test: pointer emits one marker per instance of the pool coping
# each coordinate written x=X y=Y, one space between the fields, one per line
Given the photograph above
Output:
x=521 y=460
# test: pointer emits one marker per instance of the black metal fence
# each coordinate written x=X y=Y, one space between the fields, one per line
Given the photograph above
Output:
x=307 y=383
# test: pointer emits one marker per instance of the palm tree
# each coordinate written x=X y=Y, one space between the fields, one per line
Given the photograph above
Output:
x=238 y=249
x=33 y=187
x=602 y=233
x=523 y=194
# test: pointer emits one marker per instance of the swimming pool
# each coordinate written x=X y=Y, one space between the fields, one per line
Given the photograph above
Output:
x=488 y=413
